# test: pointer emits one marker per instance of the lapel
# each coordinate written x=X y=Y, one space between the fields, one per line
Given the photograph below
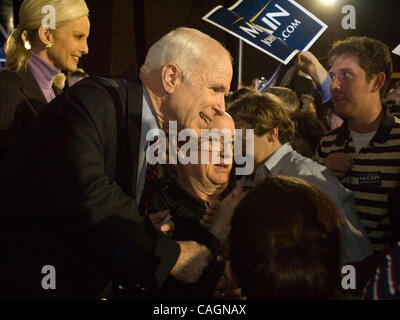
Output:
x=129 y=130
x=135 y=104
x=57 y=90
x=31 y=90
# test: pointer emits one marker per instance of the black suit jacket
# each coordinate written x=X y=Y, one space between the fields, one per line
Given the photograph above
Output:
x=68 y=198
x=21 y=101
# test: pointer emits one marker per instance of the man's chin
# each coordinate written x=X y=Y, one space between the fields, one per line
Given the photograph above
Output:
x=340 y=111
x=219 y=181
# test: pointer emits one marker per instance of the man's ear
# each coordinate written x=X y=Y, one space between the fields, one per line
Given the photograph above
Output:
x=170 y=77
x=45 y=36
x=379 y=81
x=273 y=135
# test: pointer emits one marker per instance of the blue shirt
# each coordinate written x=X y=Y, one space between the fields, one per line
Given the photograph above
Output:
x=326 y=90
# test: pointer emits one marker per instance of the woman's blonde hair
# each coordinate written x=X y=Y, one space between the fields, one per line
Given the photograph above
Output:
x=30 y=19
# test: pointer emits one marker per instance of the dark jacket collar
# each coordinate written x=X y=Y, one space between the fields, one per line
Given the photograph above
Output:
x=32 y=91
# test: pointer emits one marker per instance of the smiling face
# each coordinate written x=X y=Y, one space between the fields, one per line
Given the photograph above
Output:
x=69 y=44
x=196 y=102
x=211 y=178
x=218 y=173
x=351 y=91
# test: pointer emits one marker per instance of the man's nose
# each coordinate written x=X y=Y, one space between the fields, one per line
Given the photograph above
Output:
x=335 y=84
x=219 y=106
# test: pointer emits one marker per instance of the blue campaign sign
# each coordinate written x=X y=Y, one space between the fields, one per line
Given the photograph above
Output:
x=2 y=58
x=3 y=36
x=277 y=27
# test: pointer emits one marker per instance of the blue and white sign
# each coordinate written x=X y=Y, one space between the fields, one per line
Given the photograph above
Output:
x=3 y=38
x=279 y=28
x=397 y=50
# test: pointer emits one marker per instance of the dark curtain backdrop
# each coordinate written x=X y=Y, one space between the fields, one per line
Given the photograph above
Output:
x=123 y=30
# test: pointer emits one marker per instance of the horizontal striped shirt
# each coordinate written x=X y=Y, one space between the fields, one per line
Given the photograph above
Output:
x=394 y=109
x=374 y=175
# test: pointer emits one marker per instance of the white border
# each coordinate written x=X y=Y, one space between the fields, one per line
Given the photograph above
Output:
x=205 y=18
x=290 y=57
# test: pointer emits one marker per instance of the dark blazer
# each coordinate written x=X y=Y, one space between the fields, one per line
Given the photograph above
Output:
x=21 y=101
x=68 y=198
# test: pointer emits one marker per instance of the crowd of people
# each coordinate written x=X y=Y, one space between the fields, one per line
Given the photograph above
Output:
x=79 y=193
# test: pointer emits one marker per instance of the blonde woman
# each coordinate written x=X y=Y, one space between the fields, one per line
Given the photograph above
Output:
x=51 y=37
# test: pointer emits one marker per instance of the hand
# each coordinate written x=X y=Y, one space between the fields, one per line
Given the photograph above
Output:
x=310 y=65
x=339 y=163
x=228 y=287
x=222 y=216
x=192 y=261
x=161 y=220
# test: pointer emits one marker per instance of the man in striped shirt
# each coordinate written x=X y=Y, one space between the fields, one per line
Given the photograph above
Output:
x=365 y=151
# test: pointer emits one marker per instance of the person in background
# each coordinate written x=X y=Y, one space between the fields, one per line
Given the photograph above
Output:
x=273 y=154
x=384 y=284
x=392 y=99
x=285 y=242
x=288 y=96
x=35 y=54
x=308 y=131
x=75 y=76
x=235 y=95
x=199 y=188
x=364 y=151
x=308 y=128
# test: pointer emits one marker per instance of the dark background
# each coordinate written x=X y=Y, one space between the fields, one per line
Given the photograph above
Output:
x=123 y=30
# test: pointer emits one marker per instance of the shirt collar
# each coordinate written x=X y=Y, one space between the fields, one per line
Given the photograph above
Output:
x=382 y=133
x=42 y=71
x=149 y=120
x=273 y=163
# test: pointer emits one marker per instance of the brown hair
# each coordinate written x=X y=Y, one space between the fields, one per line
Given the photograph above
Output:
x=373 y=56
x=288 y=96
x=263 y=112
x=286 y=246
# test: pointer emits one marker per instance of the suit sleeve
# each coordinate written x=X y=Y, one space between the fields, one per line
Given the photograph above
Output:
x=11 y=98
x=81 y=146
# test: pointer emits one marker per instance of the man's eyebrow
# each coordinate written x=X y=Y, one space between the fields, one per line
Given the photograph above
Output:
x=341 y=70
x=219 y=88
